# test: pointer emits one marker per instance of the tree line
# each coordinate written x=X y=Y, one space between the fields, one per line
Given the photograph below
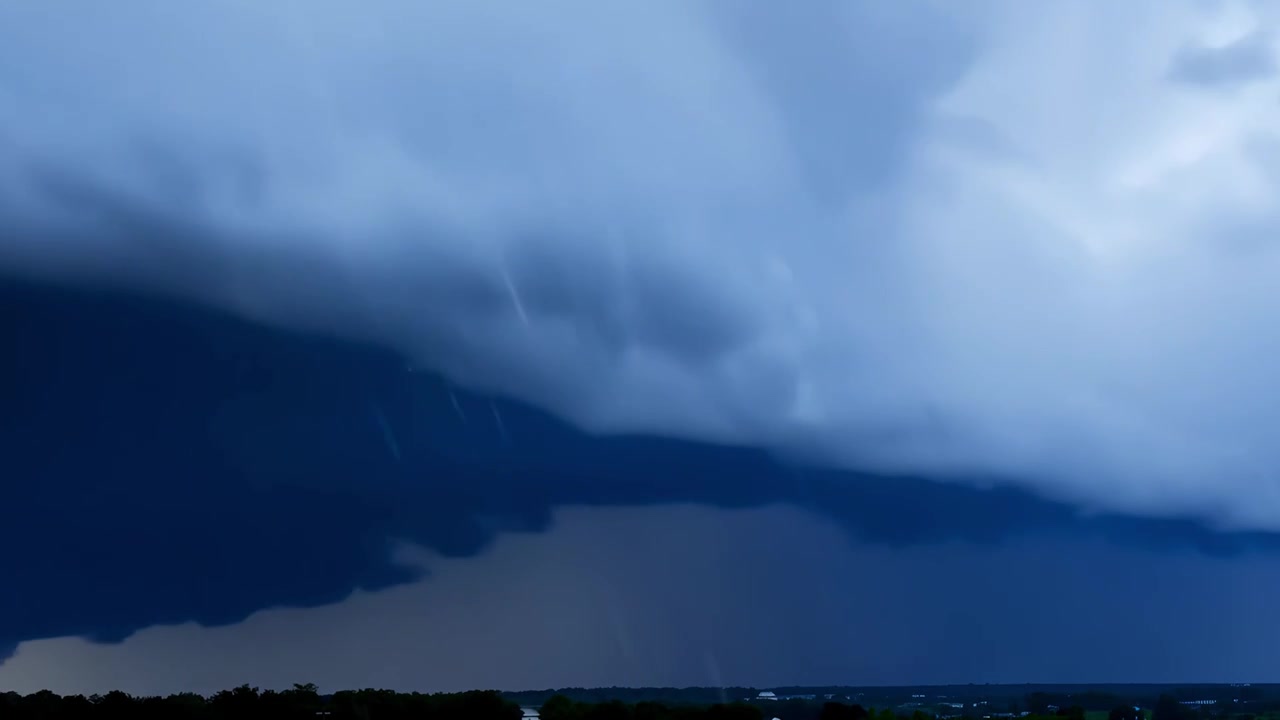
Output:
x=304 y=702
x=301 y=702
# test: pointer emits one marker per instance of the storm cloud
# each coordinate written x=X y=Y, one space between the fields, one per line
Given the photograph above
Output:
x=907 y=239
x=166 y=463
x=679 y=595
x=817 y=254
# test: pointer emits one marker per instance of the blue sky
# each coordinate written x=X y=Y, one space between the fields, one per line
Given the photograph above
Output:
x=977 y=297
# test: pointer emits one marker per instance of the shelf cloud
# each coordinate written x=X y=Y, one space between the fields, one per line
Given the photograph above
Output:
x=1013 y=248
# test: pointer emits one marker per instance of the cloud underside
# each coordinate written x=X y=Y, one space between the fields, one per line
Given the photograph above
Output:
x=174 y=464
x=674 y=596
x=1027 y=246
x=1018 y=262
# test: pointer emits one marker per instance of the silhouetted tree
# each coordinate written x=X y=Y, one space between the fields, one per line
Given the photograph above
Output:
x=560 y=707
x=734 y=711
x=1168 y=708
x=1125 y=712
x=1075 y=712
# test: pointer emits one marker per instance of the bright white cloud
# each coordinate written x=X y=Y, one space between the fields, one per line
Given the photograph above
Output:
x=1010 y=241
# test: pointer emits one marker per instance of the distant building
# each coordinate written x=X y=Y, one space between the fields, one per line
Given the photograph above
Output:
x=766 y=695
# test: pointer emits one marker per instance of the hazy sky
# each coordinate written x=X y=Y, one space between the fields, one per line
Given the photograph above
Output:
x=680 y=595
x=989 y=280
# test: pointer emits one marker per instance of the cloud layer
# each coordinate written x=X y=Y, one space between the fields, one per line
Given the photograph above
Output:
x=677 y=596
x=1031 y=247
x=165 y=464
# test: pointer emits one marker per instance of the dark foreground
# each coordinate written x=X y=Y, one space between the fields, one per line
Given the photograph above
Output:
x=974 y=702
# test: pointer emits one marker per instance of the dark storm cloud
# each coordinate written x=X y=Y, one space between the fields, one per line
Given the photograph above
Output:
x=691 y=595
x=165 y=463
x=888 y=236
x=890 y=240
